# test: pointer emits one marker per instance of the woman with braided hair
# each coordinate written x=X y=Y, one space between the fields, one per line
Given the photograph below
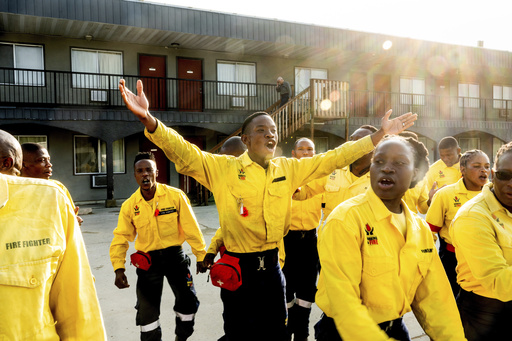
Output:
x=475 y=169
x=379 y=260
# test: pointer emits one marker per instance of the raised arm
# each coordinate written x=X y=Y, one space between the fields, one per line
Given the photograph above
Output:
x=394 y=126
x=138 y=104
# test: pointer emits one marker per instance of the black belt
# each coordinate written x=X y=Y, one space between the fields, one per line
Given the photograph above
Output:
x=166 y=251
x=386 y=326
x=257 y=260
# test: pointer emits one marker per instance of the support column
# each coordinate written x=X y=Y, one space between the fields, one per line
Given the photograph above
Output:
x=110 y=201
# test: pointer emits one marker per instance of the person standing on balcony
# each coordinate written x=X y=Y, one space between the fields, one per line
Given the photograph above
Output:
x=253 y=193
x=159 y=218
x=46 y=283
x=36 y=164
x=284 y=89
x=481 y=233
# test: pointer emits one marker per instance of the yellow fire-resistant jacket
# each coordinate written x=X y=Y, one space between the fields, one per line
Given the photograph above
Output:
x=442 y=175
x=306 y=214
x=46 y=285
x=371 y=274
x=445 y=204
x=265 y=193
x=168 y=222
x=416 y=198
x=337 y=187
x=482 y=236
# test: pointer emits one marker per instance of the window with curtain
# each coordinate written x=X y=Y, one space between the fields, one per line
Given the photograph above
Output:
x=236 y=73
x=469 y=143
x=304 y=75
x=39 y=139
x=97 y=67
x=502 y=97
x=412 y=91
x=91 y=155
x=20 y=56
x=469 y=95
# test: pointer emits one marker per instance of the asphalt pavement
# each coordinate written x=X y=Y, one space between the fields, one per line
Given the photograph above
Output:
x=118 y=305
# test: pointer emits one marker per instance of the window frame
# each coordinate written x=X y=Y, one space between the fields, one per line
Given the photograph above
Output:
x=467 y=101
x=95 y=82
x=501 y=103
x=412 y=98
x=297 y=86
x=98 y=157
x=17 y=74
x=44 y=145
x=252 y=89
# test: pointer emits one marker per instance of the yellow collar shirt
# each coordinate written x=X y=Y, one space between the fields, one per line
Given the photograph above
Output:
x=445 y=204
x=441 y=174
x=168 y=221
x=416 y=198
x=482 y=236
x=337 y=187
x=254 y=203
x=306 y=214
x=46 y=284
x=372 y=274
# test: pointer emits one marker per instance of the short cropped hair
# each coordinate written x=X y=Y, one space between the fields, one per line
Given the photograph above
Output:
x=251 y=117
x=504 y=149
x=368 y=127
x=302 y=139
x=144 y=156
x=30 y=147
x=448 y=142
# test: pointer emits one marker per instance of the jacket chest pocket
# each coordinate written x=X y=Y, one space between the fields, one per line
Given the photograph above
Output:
x=143 y=226
x=379 y=279
x=168 y=224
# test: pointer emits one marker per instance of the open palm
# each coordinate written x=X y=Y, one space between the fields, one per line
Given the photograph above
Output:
x=138 y=104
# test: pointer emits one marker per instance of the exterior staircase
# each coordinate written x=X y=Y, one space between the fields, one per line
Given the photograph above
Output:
x=322 y=101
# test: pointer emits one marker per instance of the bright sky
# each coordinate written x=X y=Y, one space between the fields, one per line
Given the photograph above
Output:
x=449 y=21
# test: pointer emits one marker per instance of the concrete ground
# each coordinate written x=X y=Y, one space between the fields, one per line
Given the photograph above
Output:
x=118 y=305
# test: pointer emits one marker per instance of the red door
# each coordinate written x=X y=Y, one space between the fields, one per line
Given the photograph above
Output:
x=161 y=160
x=190 y=85
x=152 y=72
x=443 y=93
x=358 y=96
x=382 y=95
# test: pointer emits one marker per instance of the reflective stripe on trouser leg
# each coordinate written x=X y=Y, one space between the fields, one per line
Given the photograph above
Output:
x=185 y=317
x=150 y=327
x=303 y=303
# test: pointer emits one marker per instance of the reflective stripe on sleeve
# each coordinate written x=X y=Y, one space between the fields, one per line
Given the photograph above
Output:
x=304 y=304
x=185 y=317
x=150 y=327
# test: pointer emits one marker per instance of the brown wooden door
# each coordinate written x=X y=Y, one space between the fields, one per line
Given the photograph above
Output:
x=382 y=94
x=443 y=97
x=187 y=183
x=152 y=72
x=359 y=95
x=190 y=85
x=161 y=160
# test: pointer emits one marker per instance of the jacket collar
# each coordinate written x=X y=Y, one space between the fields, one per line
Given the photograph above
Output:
x=158 y=193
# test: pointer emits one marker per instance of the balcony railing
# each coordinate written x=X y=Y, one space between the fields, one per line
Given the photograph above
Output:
x=375 y=104
x=59 y=88
x=20 y=87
